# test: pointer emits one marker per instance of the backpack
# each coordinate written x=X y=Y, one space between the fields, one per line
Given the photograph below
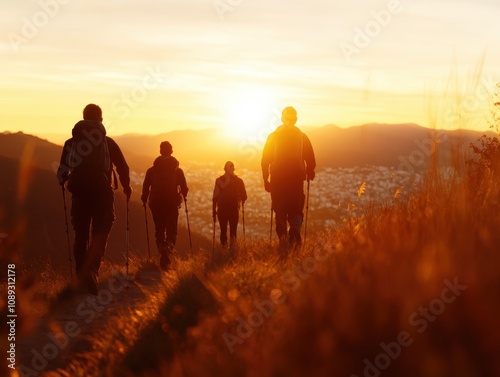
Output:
x=90 y=161
x=229 y=195
x=288 y=146
x=164 y=188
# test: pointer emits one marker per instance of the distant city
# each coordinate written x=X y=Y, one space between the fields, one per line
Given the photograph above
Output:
x=333 y=195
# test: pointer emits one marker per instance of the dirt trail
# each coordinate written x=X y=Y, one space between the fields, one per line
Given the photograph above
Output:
x=81 y=331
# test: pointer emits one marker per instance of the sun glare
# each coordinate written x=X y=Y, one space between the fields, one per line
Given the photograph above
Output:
x=247 y=112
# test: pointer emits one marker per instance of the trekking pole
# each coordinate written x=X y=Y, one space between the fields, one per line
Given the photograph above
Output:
x=147 y=230
x=243 y=215
x=213 y=240
x=127 y=233
x=271 y=226
x=67 y=232
x=307 y=212
x=189 y=228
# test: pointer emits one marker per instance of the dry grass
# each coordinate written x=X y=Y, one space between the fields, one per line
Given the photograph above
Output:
x=363 y=287
x=333 y=303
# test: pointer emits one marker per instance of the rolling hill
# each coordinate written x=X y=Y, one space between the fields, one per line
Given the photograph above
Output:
x=45 y=155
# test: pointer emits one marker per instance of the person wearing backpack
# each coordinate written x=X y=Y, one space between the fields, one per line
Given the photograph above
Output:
x=288 y=159
x=86 y=165
x=229 y=192
x=165 y=186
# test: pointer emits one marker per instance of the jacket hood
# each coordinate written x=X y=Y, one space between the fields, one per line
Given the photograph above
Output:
x=87 y=125
x=166 y=162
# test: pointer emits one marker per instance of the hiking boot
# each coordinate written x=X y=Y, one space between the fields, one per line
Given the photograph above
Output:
x=164 y=262
x=92 y=284
x=79 y=286
x=232 y=247
x=295 y=241
x=283 y=245
x=283 y=249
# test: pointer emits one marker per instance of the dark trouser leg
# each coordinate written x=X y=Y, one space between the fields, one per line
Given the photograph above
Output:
x=171 y=220
x=295 y=213
x=159 y=218
x=288 y=201
x=233 y=226
x=163 y=234
x=223 y=221
x=96 y=251
x=103 y=217
x=295 y=222
x=281 y=228
x=280 y=209
x=80 y=218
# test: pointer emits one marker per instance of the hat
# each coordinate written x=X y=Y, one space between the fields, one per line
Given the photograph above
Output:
x=166 y=148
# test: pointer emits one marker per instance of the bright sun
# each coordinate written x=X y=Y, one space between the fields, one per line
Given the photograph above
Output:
x=248 y=111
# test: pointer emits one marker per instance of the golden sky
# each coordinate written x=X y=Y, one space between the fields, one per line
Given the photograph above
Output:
x=161 y=65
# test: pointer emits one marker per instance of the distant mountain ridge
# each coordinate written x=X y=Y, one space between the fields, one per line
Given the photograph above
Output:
x=380 y=144
x=369 y=144
x=43 y=154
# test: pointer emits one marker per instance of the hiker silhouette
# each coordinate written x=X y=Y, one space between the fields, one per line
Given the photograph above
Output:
x=229 y=192
x=86 y=165
x=165 y=186
x=288 y=159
